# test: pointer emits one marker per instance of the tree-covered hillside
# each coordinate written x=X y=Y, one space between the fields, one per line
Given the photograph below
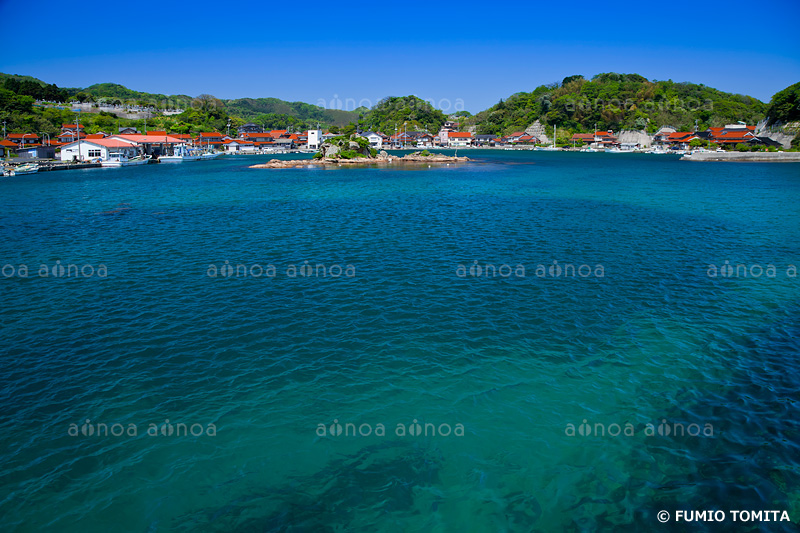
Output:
x=272 y=108
x=395 y=111
x=619 y=101
x=115 y=91
x=785 y=105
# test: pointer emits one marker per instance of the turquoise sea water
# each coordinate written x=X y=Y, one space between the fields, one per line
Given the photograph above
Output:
x=402 y=335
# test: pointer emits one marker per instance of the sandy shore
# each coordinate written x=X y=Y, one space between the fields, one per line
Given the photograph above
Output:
x=361 y=161
x=745 y=157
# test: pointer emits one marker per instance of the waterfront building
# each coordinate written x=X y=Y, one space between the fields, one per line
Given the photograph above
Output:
x=97 y=148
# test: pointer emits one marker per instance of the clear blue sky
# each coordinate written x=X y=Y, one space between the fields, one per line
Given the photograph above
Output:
x=352 y=52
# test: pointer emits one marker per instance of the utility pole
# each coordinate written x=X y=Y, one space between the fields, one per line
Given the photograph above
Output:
x=78 y=132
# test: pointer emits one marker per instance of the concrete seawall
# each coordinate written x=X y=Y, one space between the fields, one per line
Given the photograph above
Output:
x=745 y=157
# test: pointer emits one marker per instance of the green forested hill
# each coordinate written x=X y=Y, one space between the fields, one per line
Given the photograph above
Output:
x=396 y=110
x=619 y=101
x=785 y=105
x=115 y=91
x=615 y=101
x=252 y=108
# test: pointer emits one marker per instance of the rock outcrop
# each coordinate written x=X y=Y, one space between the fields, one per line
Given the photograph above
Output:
x=413 y=158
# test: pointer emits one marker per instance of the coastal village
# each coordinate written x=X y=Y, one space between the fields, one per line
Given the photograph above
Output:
x=131 y=146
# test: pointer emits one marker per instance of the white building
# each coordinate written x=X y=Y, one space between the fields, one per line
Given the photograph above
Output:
x=314 y=139
x=375 y=140
x=97 y=148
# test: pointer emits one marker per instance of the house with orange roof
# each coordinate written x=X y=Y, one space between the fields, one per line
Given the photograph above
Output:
x=23 y=139
x=679 y=140
x=256 y=137
x=459 y=138
x=209 y=139
x=67 y=136
x=7 y=146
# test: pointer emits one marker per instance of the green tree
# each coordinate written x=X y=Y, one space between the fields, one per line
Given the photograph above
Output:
x=785 y=105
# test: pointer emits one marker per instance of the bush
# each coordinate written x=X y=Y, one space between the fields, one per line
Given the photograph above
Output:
x=742 y=147
x=373 y=152
x=363 y=142
x=318 y=155
x=425 y=153
x=348 y=154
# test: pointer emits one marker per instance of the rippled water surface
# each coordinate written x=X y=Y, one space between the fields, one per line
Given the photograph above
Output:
x=539 y=364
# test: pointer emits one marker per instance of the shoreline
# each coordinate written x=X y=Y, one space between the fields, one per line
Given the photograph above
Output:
x=744 y=157
x=361 y=161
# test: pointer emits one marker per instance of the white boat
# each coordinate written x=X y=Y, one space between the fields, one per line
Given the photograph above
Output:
x=180 y=153
x=589 y=149
x=27 y=168
x=116 y=159
x=207 y=156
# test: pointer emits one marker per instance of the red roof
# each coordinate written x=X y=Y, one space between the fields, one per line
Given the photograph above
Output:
x=460 y=134
x=108 y=143
x=95 y=136
x=70 y=126
x=211 y=134
x=583 y=137
x=162 y=133
x=733 y=135
x=9 y=144
x=681 y=136
x=22 y=135
x=150 y=139
x=517 y=134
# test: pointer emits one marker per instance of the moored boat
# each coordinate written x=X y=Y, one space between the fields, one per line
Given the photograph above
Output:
x=121 y=160
x=27 y=168
x=180 y=154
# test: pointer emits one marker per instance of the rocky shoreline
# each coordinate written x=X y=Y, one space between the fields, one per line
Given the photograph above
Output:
x=363 y=161
x=745 y=157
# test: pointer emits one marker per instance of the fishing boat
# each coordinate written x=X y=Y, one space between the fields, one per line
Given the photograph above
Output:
x=207 y=156
x=180 y=154
x=27 y=168
x=116 y=159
